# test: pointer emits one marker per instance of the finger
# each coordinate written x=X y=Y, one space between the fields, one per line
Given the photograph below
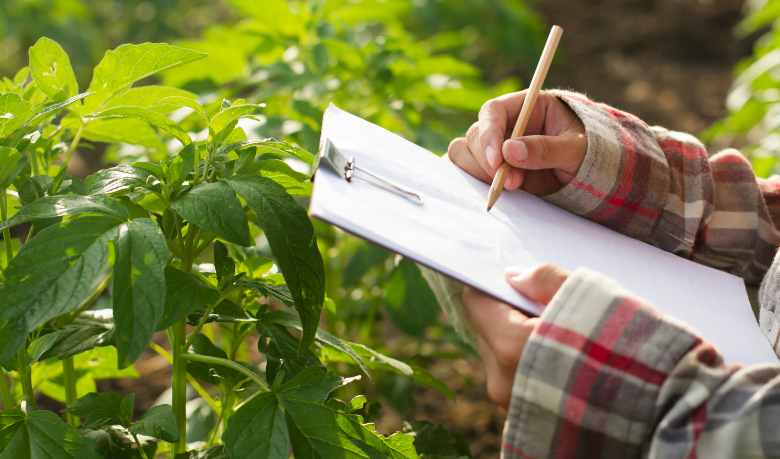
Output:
x=495 y=120
x=545 y=152
x=539 y=284
x=460 y=154
x=472 y=139
x=484 y=312
x=514 y=179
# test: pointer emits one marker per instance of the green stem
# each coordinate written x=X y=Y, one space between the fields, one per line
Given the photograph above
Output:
x=202 y=322
x=180 y=385
x=9 y=250
x=5 y=392
x=74 y=144
x=203 y=246
x=198 y=388
x=83 y=307
x=25 y=375
x=230 y=364
x=140 y=448
x=34 y=161
x=30 y=234
x=69 y=378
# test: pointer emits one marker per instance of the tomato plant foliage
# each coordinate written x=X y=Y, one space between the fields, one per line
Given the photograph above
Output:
x=174 y=243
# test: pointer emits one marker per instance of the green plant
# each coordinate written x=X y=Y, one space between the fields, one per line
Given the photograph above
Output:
x=174 y=241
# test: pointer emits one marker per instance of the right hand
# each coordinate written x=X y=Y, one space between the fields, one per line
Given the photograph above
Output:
x=543 y=160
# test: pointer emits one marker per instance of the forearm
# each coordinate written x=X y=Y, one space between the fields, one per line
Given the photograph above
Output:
x=606 y=375
x=659 y=186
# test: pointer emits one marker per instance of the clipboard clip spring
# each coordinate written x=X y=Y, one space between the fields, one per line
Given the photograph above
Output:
x=347 y=170
x=349 y=174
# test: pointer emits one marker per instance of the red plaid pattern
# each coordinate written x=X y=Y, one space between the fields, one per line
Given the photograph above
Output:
x=606 y=375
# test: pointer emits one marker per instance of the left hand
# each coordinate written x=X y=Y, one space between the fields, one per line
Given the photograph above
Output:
x=503 y=331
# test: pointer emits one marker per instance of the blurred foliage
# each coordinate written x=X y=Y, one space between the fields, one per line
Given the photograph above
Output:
x=753 y=103
x=420 y=68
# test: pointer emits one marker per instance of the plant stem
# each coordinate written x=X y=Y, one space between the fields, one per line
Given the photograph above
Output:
x=9 y=250
x=140 y=448
x=69 y=379
x=34 y=161
x=74 y=143
x=230 y=364
x=25 y=375
x=5 y=392
x=180 y=385
x=198 y=388
x=202 y=322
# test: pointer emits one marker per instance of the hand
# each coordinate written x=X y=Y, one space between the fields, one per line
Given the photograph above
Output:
x=545 y=159
x=502 y=331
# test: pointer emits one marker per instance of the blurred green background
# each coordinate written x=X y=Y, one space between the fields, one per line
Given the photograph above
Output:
x=422 y=68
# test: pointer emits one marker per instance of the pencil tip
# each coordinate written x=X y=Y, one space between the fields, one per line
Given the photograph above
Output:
x=489 y=209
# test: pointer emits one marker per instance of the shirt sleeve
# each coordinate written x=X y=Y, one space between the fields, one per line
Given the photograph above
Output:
x=660 y=187
x=606 y=375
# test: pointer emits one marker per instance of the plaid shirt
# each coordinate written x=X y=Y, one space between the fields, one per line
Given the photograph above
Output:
x=607 y=375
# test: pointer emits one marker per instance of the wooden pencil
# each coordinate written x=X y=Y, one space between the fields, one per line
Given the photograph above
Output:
x=525 y=112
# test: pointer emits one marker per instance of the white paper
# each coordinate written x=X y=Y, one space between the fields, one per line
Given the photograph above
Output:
x=453 y=234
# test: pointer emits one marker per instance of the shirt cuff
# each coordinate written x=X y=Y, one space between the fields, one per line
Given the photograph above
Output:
x=591 y=373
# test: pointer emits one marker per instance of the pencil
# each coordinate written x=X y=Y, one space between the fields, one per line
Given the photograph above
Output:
x=525 y=112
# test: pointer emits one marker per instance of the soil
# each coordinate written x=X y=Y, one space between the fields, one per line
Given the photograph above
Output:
x=667 y=61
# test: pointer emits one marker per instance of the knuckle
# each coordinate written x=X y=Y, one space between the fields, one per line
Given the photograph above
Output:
x=456 y=145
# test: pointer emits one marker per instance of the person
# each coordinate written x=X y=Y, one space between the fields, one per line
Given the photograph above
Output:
x=602 y=373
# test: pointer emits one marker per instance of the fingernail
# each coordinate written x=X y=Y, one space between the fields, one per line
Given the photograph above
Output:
x=491 y=155
x=518 y=150
x=513 y=271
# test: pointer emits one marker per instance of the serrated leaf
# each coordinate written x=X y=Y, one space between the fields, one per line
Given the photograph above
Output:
x=127 y=130
x=223 y=123
x=69 y=204
x=89 y=330
x=37 y=348
x=180 y=166
x=11 y=164
x=296 y=183
x=155 y=169
x=282 y=352
x=41 y=435
x=434 y=442
x=149 y=116
x=187 y=102
x=159 y=422
x=185 y=294
x=117 y=443
x=19 y=109
x=51 y=70
x=322 y=336
x=215 y=208
x=293 y=243
x=104 y=409
x=120 y=67
x=215 y=452
x=47 y=112
x=139 y=286
x=278 y=293
x=149 y=97
x=410 y=302
x=119 y=179
x=258 y=430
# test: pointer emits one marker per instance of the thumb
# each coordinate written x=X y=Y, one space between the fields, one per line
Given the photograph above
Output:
x=539 y=284
x=544 y=152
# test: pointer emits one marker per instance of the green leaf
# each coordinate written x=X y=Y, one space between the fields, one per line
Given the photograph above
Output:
x=151 y=117
x=44 y=114
x=270 y=146
x=215 y=452
x=293 y=243
x=127 y=130
x=215 y=208
x=214 y=374
x=223 y=123
x=187 y=102
x=159 y=422
x=423 y=376
x=128 y=63
x=19 y=109
x=296 y=183
x=89 y=330
x=282 y=352
x=69 y=204
x=41 y=435
x=370 y=357
x=117 y=443
x=185 y=294
x=120 y=179
x=223 y=264
x=365 y=257
x=139 y=286
x=104 y=409
x=11 y=164
x=411 y=304
x=51 y=70
x=322 y=336
x=313 y=384
x=434 y=442
x=180 y=166
x=33 y=353
x=278 y=293
x=258 y=430
x=149 y=97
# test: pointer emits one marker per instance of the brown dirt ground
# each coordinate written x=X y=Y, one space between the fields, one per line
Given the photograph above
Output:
x=667 y=61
